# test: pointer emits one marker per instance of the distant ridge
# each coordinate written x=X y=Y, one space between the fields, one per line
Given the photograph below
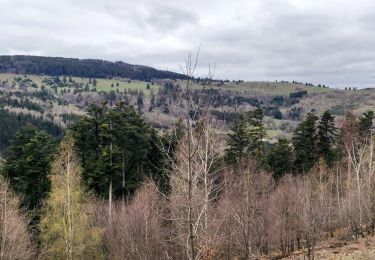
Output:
x=88 y=68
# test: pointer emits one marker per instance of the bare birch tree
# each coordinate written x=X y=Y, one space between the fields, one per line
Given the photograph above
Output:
x=15 y=239
x=286 y=235
x=192 y=175
x=248 y=201
x=136 y=231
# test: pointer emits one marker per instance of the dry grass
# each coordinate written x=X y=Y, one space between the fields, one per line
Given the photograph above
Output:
x=336 y=248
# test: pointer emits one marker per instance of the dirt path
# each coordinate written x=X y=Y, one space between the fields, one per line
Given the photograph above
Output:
x=364 y=249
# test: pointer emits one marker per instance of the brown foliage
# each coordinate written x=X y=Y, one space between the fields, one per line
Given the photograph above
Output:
x=15 y=239
x=136 y=230
x=245 y=211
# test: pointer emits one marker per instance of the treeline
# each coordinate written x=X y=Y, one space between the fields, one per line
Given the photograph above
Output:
x=88 y=68
x=20 y=103
x=220 y=100
x=115 y=188
x=315 y=138
x=10 y=123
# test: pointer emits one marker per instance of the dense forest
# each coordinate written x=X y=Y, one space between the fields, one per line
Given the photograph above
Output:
x=10 y=123
x=180 y=169
x=115 y=187
x=89 y=68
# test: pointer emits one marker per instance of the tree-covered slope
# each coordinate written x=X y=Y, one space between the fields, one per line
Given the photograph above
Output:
x=88 y=68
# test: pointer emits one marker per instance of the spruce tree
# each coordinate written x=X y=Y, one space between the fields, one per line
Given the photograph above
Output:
x=280 y=158
x=365 y=124
x=237 y=142
x=247 y=137
x=27 y=165
x=256 y=133
x=305 y=140
x=327 y=138
x=114 y=143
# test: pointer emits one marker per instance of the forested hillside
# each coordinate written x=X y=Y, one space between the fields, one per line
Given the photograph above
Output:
x=60 y=99
x=181 y=169
x=89 y=68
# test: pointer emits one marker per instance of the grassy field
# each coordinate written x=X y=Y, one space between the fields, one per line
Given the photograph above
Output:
x=249 y=88
x=264 y=88
x=105 y=85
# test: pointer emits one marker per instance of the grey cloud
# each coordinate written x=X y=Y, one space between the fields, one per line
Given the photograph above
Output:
x=165 y=18
x=318 y=41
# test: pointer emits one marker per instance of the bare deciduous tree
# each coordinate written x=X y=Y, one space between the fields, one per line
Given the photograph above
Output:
x=192 y=176
x=136 y=231
x=285 y=230
x=15 y=239
x=248 y=201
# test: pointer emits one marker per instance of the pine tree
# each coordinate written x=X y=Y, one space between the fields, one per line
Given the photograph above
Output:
x=365 y=124
x=113 y=143
x=152 y=101
x=247 y=137
x=67 y=230
x=327 y=138
x=139 y=103
x=305 y=144
x=256 y=133
x=237 y=142
x=28 y=164
x=280 y=158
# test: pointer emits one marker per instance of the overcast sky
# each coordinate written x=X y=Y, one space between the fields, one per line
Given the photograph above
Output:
x=319 y=41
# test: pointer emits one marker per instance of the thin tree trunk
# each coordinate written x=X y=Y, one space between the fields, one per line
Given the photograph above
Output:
x=110 y=180
x=110 y=201
x=69 y=213
x=123 y=178
x=190 y=182
x=4 y=227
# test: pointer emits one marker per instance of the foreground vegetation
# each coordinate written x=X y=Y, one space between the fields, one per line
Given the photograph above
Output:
x=119 y=189
x=89 y=175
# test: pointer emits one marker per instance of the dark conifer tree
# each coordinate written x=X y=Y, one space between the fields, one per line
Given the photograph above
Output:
x=365 y=124
x=327 y=138
x=139 y=103
x=305 y=140
x=237 y=141
x=247 y=137
x=27 y=165
x=114 y=143
x=280 y=158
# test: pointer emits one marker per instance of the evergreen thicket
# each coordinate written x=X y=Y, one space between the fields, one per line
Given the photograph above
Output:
x=10 y=123
x=280 y=158
x=27 y=166
x=89 y=68
x=305 y=140
x=117 y=148
x=246 y=137
x=327 y=138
